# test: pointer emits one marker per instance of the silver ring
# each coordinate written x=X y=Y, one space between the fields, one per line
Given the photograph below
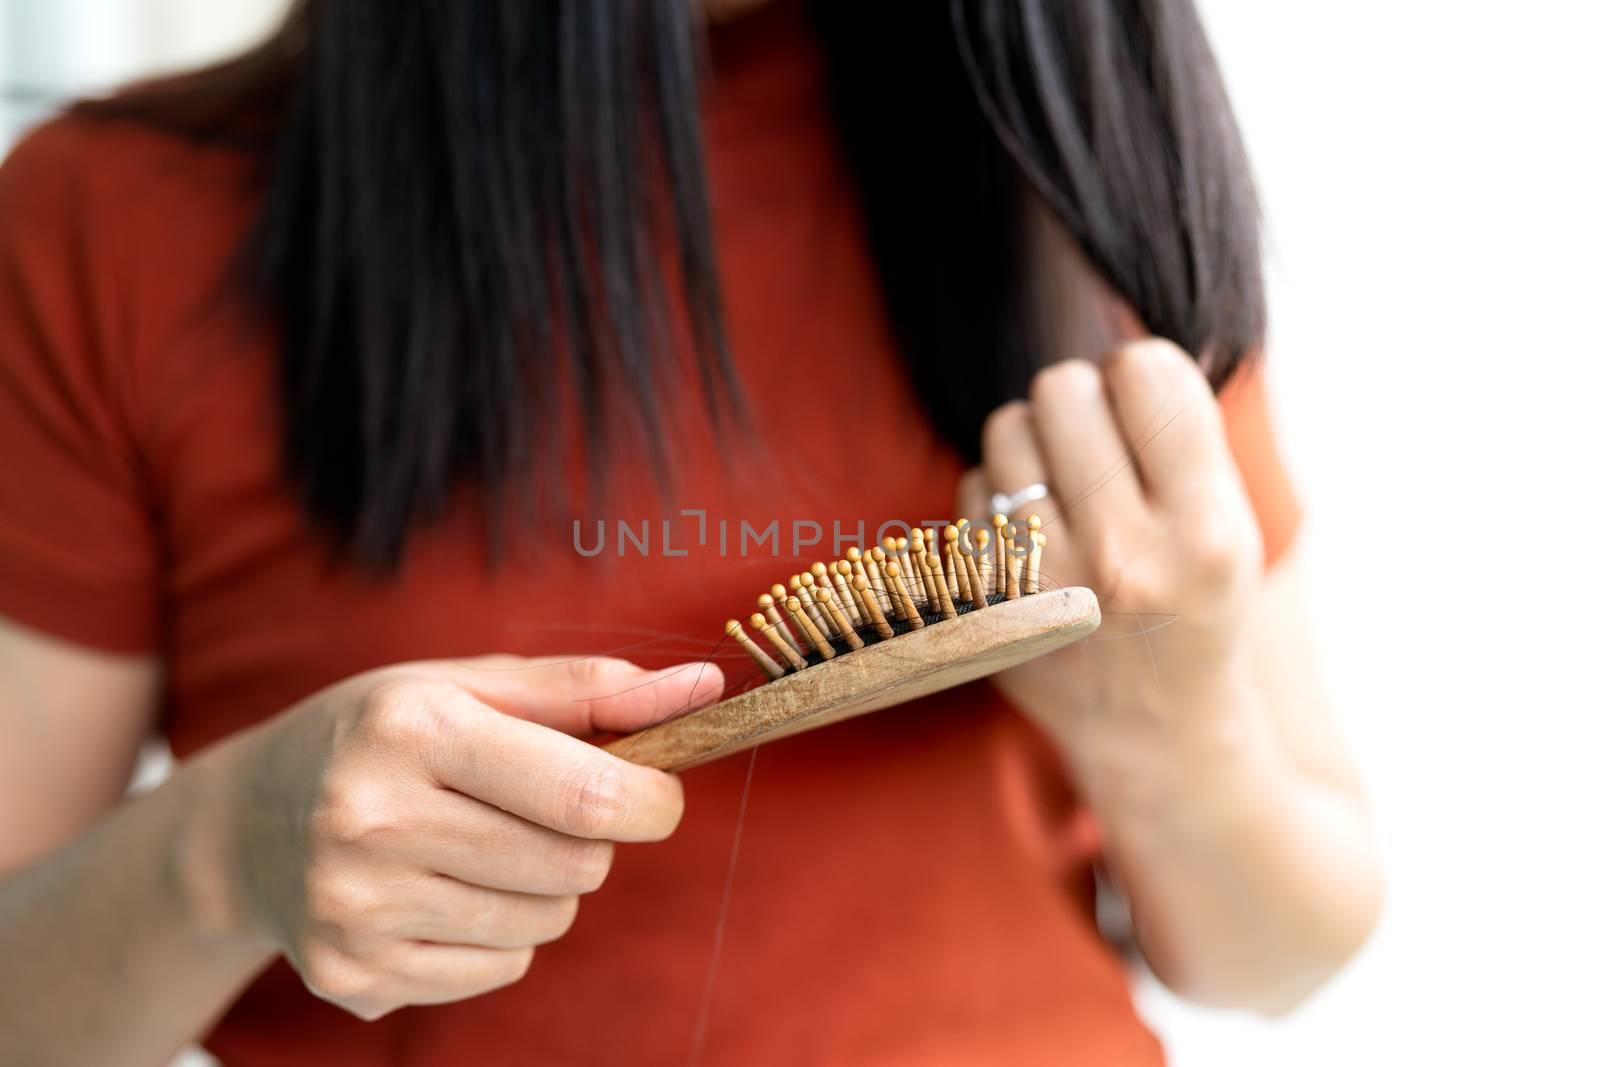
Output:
x=1010 y=503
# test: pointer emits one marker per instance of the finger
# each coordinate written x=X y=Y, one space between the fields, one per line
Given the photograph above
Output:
x=439 y=974
x=1089 y=463
x=1168 y=416
x=1058 y=564
x=552 y=779
x=586 y=694
x=973 y=493
x=444 y=911
x=1012 y=460
x=479 y=845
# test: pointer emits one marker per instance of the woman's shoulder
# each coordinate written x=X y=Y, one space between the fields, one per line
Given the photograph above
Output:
x=117 y=173
x=115 y=237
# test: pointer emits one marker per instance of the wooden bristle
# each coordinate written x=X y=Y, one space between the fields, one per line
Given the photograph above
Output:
x=919 y=588
x=1013 y=564
x=785 y=649
x=913 y=579
x=830 y=579
x=797 y=612
x=977 y=563
x=900 y=552
x=801 y=585
x=767 y=663
x=769 y=607
x=955 y=565
x=908 y=608
x=831 y=608
x=999 y=522
x=858 y=568
x=1030 y=580
x=801 y=641
x=858 y=596
x=870 y=603
x=891 y=574
x=945 y=605
x=880 y=585
x=839 y=574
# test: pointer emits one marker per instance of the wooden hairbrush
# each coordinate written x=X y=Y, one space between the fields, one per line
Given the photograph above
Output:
x=877 y=629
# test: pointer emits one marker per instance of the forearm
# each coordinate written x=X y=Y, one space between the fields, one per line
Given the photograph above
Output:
x=114 y=949
x=1250 y=882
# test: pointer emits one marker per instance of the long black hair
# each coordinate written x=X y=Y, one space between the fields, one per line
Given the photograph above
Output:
x=464 y=201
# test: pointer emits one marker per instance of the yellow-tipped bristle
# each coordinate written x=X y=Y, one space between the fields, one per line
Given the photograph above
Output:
x=804 y=588
x=809 y=588
x=919 y=588
x=802 y=641
x=880 y=585
x=768 y=603
x=944 y=572
x=1030 y=582
x=785 y=649
x=975 y=562
x=858 y=596
x=934 y=575
x=922 y=589
x=827 y=608
x=955 y=563
x=889 y=552
x=766 y=662
x=797 y=612
x=1013 y=563
x=908 y=571
x=999 y=521
x=891 y=576
x=920 y=563
x=930 y=548
x=831 y=608
x=870 y=603
x=826 y=576
x=907 y=607
x=839 y=575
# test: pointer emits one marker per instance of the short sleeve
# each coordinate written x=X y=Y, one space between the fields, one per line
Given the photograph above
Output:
x=78 y=547
x=1247 y=418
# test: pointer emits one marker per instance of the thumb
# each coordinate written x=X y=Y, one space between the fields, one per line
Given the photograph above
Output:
x=586 y=694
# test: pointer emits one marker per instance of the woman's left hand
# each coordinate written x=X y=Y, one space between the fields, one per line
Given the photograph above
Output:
x=1235 y=824
x=1147 y=508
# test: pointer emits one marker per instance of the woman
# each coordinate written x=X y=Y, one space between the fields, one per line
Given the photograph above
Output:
x=312 y=361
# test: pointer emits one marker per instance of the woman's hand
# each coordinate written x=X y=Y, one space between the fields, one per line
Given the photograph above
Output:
x=1147 y=509
x=1232 y=820
x=409 y=835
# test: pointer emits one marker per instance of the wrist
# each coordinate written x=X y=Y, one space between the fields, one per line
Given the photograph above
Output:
x=1182 y=747
x=205 y=848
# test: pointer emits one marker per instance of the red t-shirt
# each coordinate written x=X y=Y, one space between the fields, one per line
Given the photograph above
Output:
x=913 y=887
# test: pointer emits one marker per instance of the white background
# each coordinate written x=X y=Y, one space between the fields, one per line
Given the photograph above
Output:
x=1429 y=175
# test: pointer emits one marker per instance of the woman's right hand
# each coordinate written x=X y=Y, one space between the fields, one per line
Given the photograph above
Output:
x=408 y=836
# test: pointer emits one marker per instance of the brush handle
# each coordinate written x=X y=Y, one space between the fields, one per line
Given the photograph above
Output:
x=939 y=656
